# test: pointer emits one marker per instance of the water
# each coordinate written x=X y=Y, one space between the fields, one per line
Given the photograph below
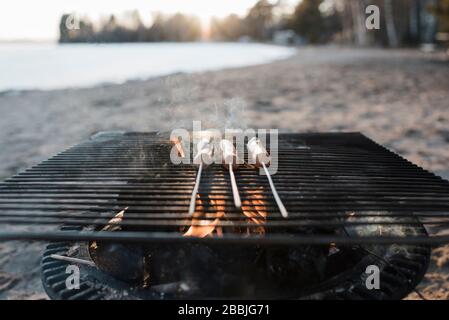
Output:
x=50 y=66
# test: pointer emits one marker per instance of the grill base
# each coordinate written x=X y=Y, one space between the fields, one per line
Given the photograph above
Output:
x=401 y=269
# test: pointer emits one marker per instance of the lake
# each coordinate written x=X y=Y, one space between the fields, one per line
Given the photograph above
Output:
x=52 y=66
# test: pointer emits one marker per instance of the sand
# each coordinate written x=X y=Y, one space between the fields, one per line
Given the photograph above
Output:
x=400 y=98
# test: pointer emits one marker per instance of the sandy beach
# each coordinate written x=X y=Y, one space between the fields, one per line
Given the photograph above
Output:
x=399 y=98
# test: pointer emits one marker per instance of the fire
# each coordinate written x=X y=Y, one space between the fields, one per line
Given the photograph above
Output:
x=202 y=227
x=255 y=210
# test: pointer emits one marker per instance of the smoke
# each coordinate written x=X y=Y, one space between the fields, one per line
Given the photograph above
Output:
x=185 y=105
x=235 y=113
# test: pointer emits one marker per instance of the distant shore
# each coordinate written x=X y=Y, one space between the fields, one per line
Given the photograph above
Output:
x=49 y=66
x=397 y=97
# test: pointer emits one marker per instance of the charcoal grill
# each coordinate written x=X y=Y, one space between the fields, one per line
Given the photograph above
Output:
x=351 y=203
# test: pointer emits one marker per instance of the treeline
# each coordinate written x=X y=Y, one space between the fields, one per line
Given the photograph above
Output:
x=402 y=22
x=309 y=20
x=130 y=28
x=258 y=24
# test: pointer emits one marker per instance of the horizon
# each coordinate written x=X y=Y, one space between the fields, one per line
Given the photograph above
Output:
x=39 y=21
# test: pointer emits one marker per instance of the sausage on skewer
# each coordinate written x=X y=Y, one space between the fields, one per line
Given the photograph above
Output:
x=230 y=159
x=203 y=156
x=260 y=158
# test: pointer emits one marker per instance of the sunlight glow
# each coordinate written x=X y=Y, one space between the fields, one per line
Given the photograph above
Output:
x=39 y=20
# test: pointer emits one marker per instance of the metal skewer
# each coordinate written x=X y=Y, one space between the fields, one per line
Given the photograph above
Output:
x=235 y=190
x=204 y=155
x=281 y=206
x=195 y=190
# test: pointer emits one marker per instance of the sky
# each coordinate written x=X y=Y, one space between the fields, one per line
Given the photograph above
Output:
x=39 y=19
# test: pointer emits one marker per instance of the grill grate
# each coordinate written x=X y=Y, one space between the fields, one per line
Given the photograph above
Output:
x=330 y=183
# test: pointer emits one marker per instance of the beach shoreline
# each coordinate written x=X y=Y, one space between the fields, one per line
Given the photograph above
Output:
x=399 y=98
x=82 y=65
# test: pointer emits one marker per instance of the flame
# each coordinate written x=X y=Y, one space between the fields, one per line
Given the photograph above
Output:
x=255 y=210
x=203 y=228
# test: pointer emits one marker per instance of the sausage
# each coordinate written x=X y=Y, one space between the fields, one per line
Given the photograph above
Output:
x=204 y=152
x=228 y=152
x=257 y=153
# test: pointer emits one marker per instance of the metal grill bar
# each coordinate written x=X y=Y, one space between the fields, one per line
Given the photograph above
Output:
x=270 y=240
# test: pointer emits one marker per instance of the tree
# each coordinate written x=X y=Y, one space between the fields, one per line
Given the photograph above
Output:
x=259 y=21
x=82 y=31
x=307 y=20
x=156 y=31
x=258 y=24
x=441 y=10
x=391 y=25
x=398 y=22
x=135 y=30
x=181 y=27
x=229 y=28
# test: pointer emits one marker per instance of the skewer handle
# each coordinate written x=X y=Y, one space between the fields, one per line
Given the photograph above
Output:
x=235 y=190
x=195 y=190
x=230 y=160
x=281 y=206
x=260 y=157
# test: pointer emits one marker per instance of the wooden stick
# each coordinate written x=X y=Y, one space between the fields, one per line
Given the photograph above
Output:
x=73 y=260
x=235 y=190
x=281 y=206
x=114 y=223
x=179 y=148
x=195 y=190
x=230 y=158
